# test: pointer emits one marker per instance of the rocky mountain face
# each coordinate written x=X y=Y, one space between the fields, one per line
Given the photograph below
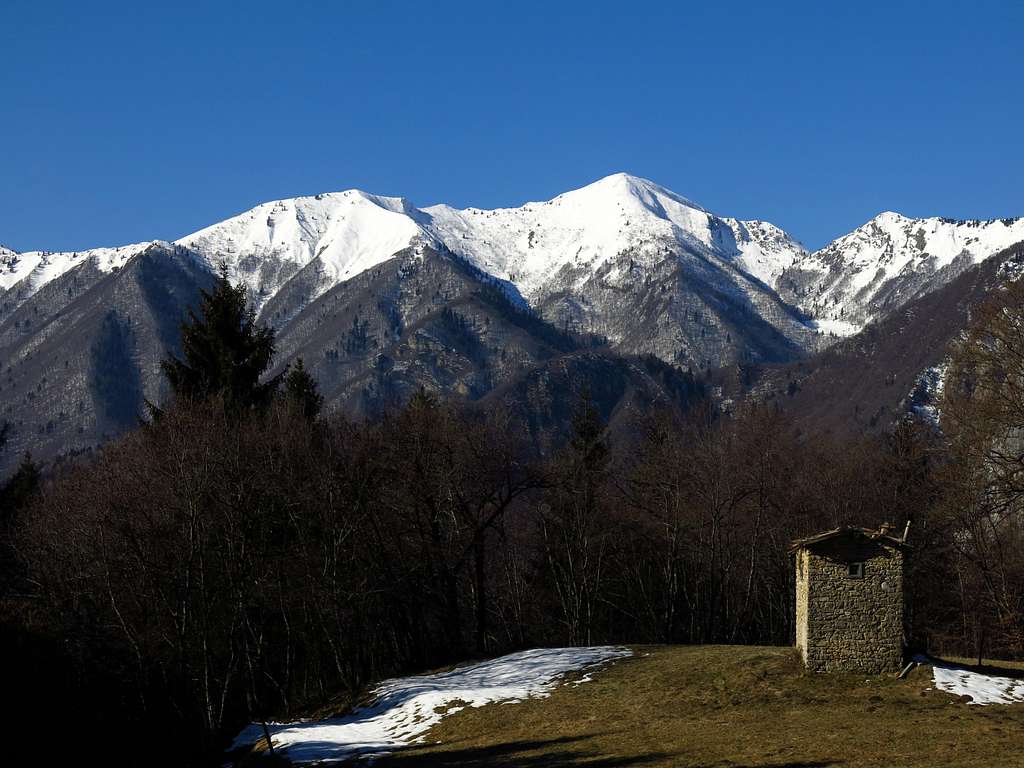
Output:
x=887 y=262
x=81 y=351
x=422 y=319
x=621 y=282
x=891 y=369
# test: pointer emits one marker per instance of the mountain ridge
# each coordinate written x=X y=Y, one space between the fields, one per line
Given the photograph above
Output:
x=382 y=298
x=890 y=260
x=538 y=245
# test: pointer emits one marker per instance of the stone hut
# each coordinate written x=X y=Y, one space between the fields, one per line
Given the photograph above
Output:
x=849 y=600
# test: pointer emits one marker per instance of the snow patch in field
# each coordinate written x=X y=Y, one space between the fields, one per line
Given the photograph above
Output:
x=983 y=689
x=404 y=709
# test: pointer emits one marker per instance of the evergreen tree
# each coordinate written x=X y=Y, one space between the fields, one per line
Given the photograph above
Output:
x=15 y=495
x=588 y=434
x=225 y=352
x=19 y=489
x=422 y=401
x=301 y=390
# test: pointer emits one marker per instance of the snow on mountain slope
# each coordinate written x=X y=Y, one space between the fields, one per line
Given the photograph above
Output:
x=347 y=232
x=610 y=233
x=889 y=261
x=585 y=228
x=529 y=244
x=342 y=234
x=27 y=272
x=766 y=251
x=634 y=262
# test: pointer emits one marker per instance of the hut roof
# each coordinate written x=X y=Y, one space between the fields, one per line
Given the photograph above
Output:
x=849 y=531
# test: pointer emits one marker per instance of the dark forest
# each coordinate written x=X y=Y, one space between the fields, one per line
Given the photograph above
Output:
x=242 y=556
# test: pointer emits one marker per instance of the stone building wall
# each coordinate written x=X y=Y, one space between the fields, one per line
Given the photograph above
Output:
x=851 y=624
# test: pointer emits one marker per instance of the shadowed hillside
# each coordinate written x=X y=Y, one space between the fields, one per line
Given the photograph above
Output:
x=865 y=383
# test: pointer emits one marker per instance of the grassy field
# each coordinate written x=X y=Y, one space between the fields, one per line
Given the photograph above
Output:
x=727 y=707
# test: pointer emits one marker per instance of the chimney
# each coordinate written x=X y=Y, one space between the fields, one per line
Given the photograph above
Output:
x=906 y=530
x=885 y=529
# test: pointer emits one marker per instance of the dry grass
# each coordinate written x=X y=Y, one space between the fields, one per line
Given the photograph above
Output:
x=990 y=666
x=727 y=707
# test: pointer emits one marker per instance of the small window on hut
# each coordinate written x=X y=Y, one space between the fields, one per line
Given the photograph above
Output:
x=855 y=570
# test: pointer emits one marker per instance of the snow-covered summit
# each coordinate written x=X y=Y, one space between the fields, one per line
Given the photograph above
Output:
x=891 y=259
x=630 y=190
x=581 y=228
x=893 y=242
x=586 y=227
x=346 y=232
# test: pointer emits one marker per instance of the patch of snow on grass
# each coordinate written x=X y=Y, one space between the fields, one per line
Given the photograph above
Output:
x=404 y=709
x=982 y=688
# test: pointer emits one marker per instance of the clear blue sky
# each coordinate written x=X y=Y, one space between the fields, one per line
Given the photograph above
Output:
x=122 y=122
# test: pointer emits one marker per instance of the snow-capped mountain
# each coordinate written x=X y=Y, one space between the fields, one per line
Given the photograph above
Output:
x=589 y=227
x=581 y=260
x=346 y=233
x=887 y=262
x=381 y=297
x=343 y=234
x=619 y=228
x=635 y=262
x=894 y=368
x=538 y=248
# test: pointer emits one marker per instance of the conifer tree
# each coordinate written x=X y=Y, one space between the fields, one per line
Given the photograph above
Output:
x=19 y=489
x=15 y=494
x=225 y=352
x=422 y=401
x=301 y=390
x=588 y=434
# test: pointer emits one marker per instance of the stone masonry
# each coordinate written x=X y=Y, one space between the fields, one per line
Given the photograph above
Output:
x=849 y=601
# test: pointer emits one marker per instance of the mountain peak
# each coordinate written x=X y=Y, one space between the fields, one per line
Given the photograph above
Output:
x=344 y=233
x=890 y=260
x=625 y=186
x=889 y=217
x=627 y=181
